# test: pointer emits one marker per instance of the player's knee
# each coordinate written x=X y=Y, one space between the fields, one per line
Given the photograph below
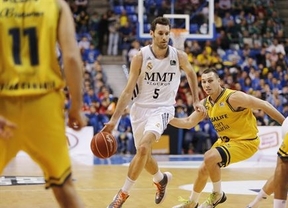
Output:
x=210 y=157
x=143 y=149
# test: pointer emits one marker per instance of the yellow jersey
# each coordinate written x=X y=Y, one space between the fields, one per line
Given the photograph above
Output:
x=231 y=124
x=28 y=36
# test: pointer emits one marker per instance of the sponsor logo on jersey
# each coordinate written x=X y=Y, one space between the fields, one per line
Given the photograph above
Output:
x=149 y=66
x=172 y=62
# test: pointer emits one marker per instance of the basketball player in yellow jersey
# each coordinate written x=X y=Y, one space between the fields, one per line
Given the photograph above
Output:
x=231 y=115
x=31 y=88
x=277 y=183
x=281 y=172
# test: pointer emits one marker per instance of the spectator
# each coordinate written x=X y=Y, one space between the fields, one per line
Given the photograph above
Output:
x=278 y=47
x=126 y=37
x=113 y=27
x=84 y=43
x=227 y=18
x=103 y=33
x=82 y=20
x=124 y=134
x=93 y=119
x=94 y=28
x=123 y=19
x=218 y=22
x=133 y=50
x=89 y=96
x=90 y=56
x=196 y=139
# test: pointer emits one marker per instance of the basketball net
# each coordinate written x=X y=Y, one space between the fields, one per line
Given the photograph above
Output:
x=178 y=37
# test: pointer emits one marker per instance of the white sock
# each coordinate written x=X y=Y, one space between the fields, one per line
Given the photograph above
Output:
x=279 y=203
x=127 y=185
x=194 y=196
x=158 y=176
x=261 y=195
x=217 y=187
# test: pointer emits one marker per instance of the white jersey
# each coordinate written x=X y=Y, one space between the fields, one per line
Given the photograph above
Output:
x=159 y=79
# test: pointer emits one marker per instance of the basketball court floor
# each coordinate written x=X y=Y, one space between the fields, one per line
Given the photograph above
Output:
x=98 y=180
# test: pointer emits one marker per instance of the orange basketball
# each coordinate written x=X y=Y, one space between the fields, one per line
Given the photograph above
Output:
x=103 y=145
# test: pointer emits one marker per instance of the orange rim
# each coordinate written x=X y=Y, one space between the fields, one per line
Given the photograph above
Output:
x=178 y=31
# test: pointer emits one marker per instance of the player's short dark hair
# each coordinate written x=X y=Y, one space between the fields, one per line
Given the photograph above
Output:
x=208 y=70
x=161 y=21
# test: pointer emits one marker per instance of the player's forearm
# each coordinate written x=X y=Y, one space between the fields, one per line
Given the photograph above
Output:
x=122 y=103
x=74 y=80
x=188 y=122
x=273 y=113
x=182 y=123
x=193 y=83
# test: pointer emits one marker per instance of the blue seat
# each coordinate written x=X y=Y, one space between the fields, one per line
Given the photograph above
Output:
x=194 y=28
x=145 y=18
x=118 y=9
x=133 y=18
x=147 y=28
x=130 y=10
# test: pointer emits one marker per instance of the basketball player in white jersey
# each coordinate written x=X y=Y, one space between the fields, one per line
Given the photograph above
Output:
x=153 y=83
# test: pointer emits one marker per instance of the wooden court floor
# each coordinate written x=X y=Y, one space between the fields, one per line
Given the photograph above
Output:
x=97 y=184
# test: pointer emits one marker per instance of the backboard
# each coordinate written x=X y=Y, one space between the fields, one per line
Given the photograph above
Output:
x=196 y=16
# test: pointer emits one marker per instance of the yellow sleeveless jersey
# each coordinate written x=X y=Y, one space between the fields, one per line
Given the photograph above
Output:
x=231 y=124
x=28 y=61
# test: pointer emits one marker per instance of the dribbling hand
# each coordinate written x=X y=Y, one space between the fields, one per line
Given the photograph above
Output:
x=108 y=127
x=200 y=108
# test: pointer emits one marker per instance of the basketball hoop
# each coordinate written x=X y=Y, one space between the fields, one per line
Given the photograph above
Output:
x=178 y=36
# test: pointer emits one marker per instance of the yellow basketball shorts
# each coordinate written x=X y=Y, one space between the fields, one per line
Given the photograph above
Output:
x=40 y=133
x=283 y=149
x=236 y=151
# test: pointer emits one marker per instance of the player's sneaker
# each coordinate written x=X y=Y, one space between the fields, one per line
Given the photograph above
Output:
x=118 y=200
x=257 y=204
x=213 y=200
x=161 y=187
x=186 y=203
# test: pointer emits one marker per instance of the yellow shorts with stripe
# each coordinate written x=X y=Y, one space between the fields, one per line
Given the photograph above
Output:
x=283 y=149
x=236 y=150
x=40 y=133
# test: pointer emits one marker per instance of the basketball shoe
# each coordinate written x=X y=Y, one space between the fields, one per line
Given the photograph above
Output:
x=186 y=203
x=213 y=200
x=161 y=187
x=257 y=204
x=118 y=200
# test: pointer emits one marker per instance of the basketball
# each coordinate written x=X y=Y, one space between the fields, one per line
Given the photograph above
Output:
x=103 y=145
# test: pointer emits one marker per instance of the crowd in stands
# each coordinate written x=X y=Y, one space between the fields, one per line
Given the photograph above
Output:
x=249 y=52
